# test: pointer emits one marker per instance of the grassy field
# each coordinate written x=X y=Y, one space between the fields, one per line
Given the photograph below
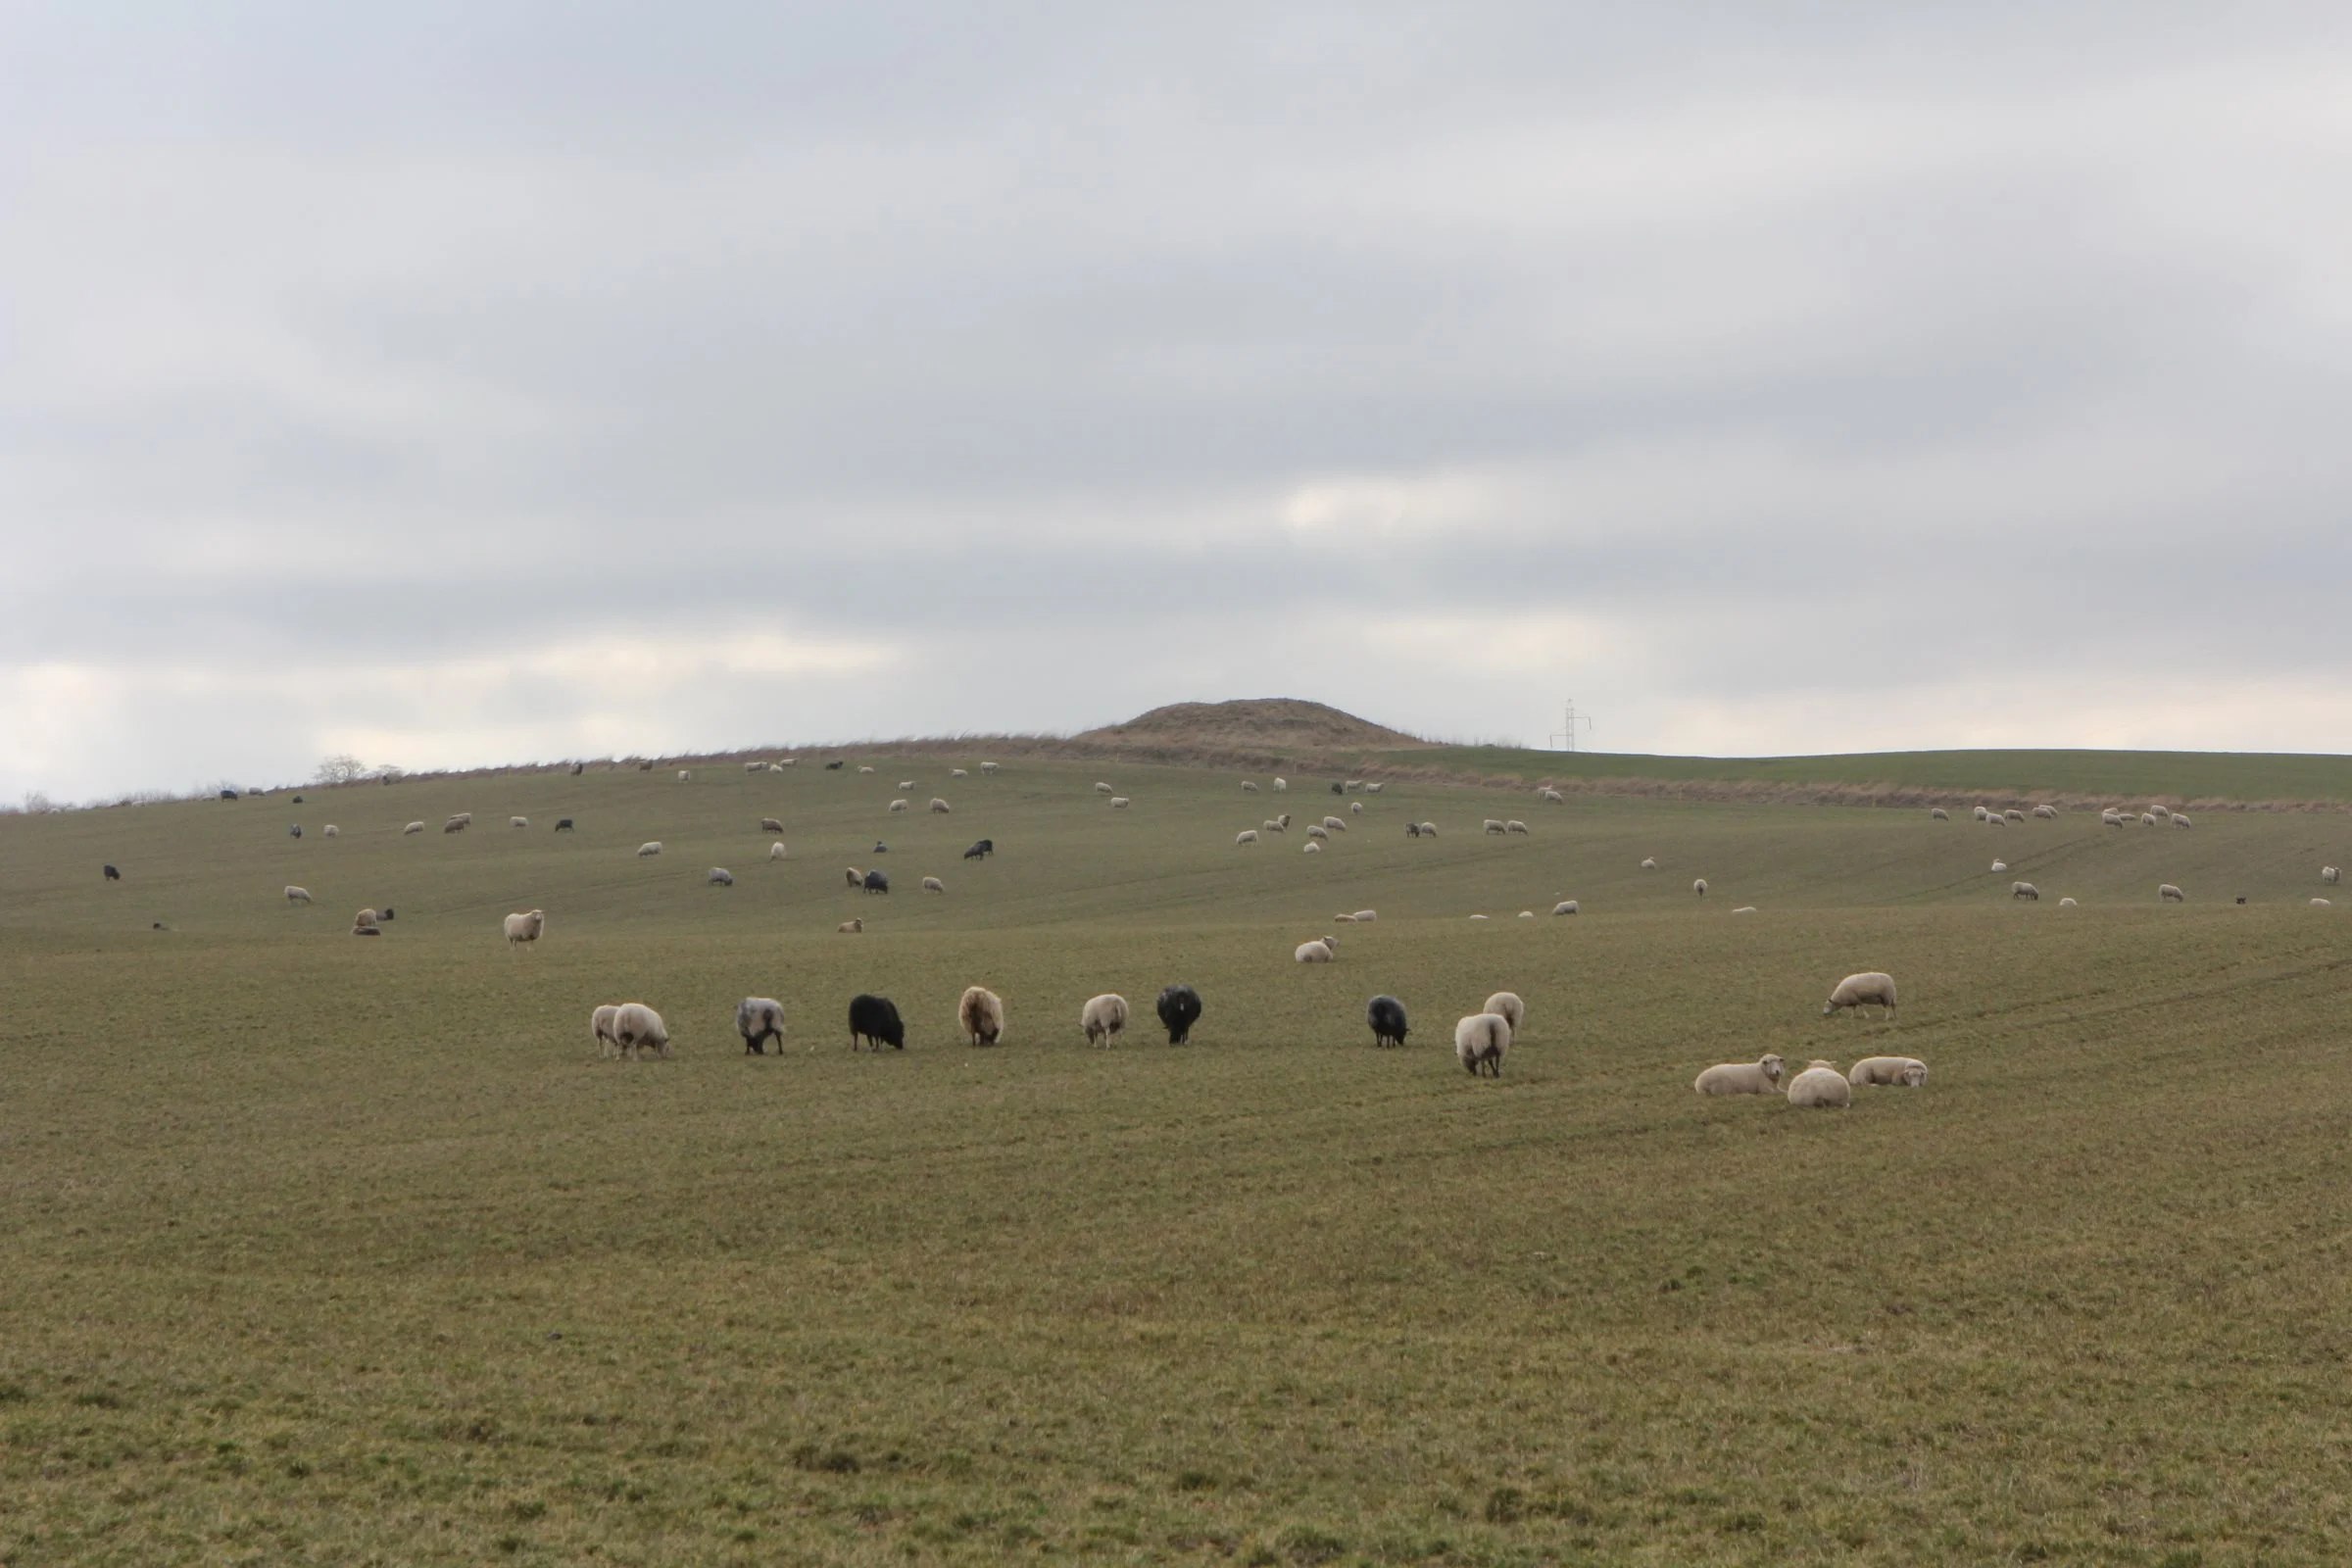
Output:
x=331 y=1251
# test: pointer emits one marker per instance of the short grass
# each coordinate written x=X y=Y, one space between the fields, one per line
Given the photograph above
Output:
x=322 y=1250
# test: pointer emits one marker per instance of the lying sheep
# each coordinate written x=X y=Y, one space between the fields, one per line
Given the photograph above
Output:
x=932 y=883
x=2067 y=904
x=1102 y=1017
x=1366 y=916
x=959 y=773
x=601 y=1024
x=2025 y=890
x=866 y=767
x=525 y=927
x=769 y=824
x=331 y=831
x=650 y=847
x=518 y=821
x=777 y=852
x=1908 y=1071
x=363 y=924
x=1479 y=1043
x=636 y=1026
x=1247 y=835
x=980 y=1014
x=1311 y=848
x=2000 y=866
x=1386 y=1016
x=2169 y=893
x=759 y=1020
x=298 y=895
x=1650 y=866
x=2322 y=903
x=1565 y=906
x=1873 y=989
x=721 y=877
x=1506 y=1006
x=1745 y=909
x=1820 y=1086
x=1322 y=950
x=1530 y=915
x=1179 y=1010
x=849 y=927
x=1759 y=1077
x=412 y=827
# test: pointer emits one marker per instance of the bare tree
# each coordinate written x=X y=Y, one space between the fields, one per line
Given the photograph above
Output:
x=340 y=768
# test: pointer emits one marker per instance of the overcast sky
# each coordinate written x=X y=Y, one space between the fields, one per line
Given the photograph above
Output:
x=478 y=382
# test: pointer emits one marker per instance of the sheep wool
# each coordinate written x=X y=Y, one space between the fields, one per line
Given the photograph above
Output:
x=1820 y=1086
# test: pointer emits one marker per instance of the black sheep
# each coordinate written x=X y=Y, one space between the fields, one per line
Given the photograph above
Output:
x=1386 y=1015
x=112 y=876
x=564 y=825
x=981 y=850
x=875 y=1020
x=878 y=882
x=1179 y=1010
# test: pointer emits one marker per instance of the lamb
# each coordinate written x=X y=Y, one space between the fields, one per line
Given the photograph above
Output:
x=1820 y=1086
x=1247 y=835
x=1102 y=788
x=721 y=877
x=412 y=827
x=298 y=895
x=525 y=927
x=875 y=1020
x=1759 y=1077
x=1281 y=784
x=650 y=847
x=776 y=851
x=1248 y=786
x=1870 y=989
x=1102 y=1017
x=849 y=929
x=1179 y=1008
x=1565 y=906
x=600 y=1024
x=2332 y=876
x=636 y=1026
x=1494 y=824
x=1514 y=826
x=1385 y=1014
x=769 y=824
x=1936 y=813
x=898 y=806
x=1908 y=1071
x=1119 y=802
x=981 y=1012
x=939 y=808
x=1322 y=950
x=932 y=883
x=759 y=1020
x=2025 y=890
x=1479 y=1043
x=518 y=821
x=2169 y=893
x=1506 y=1006
x=1699 y=886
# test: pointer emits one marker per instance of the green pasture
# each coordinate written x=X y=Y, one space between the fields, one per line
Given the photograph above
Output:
x=323 y=1249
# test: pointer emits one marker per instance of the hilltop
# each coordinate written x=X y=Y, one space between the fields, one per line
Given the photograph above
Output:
x=1283 y=723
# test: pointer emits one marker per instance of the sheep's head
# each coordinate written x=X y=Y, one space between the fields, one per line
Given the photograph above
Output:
x=1773 y=1066
x=1915 y=1075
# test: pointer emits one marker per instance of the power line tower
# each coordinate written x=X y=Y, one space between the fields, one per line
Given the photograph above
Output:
x=1567 y=734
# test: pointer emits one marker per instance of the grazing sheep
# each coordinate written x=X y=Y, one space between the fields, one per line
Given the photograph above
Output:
x=1355 y=807
x=2046 y=812
x=2000 y=866
x=1650 y=866
x=777 y=852
x=1759 y=1077
x=1247 y=835
x=412 y=827
x=600 y=1024
x=2322 y=903
x=2332 y=876
x=1248 y=786
x=2014 y=816
x=2066 y=904
x=1316 y=830
x=684 y=776
x=875 y=1020
x=1699 y=886
x=458 y=823
x=1565 y=906
x=905 y=783
x=1479 y=1043
x=1102 y=1017
x=981 y=1012
x=1514 y=826
x=721 y=877
x=1936 y=813
x=1981 y=812
x=2179 y=820
x=877 y=882
x=1354 y=784
x=959 y=773
x=525 y=927
x=1429 y=830
x=759 y=1020
x=1343 y=919
x=564 y=824
x=2112 y=817
x=1284 y=819
x=1506 y=1006
x=1335 y=824
x=1179 y=1010
x=518 y=821
x=1281 y=784
x=1908 y=1071
x=939 y=808
x=1374 y=787
x=1273 y=825
x=1412 y=830
x=1322 y=950
x=298 y=895
x=866 y=767
x=111 y=874
x=849 y=927
x=897 y=806
x=331 y=831
x=1119 y=802
x=388 y=912
x=650 y=847
x=1551 y=795
x=2169 y=893
x=1871 y=989
x=2025 y=890
x=1530 y=915
x=636 y=1026
x=1820 y=1086
x=988 y=767
x=932 y=883
x=1494 y=824
x=1385 y=1014
x=363 y=924
x=1311 y=848
x=2147 y=819
x=295 y=831
x=755 y=768
x=1102 y=788
x=981 y=849
x=769 y=824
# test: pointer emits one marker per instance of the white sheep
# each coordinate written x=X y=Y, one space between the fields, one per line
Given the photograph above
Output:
x=363 y=924
x=1908 y=1071
x=959 y=773
x=849 y=927
x=856 y=878
x=2169 y=893
x=2000 y=866
x=1699 y=886
x=2179 y=820
x=1564 y=907
x=2147 y=819
x=759 y=1020
x=1871 y=989
x=1310 y=847
x=1527 y=915
x=1506 y=1006
x=1478 y=917
x=1247 y=835
x=1248 y=786
x=1429 y=830
x=866 y=767
x=721 y=877
x=525 y=927
x=770 y=824
x=932 y=883
x=2025 y=890
x=412 y=827
x=1335 y=824
x=1345 y=919
x=1119 y=802
x=600 y=1024
x=1981 y=812
x=775 y=851
x=650 y=847
x=1374 y=787
x=2013 y=815
x=1650 y=866
x=684 y=776
x=1322 y=950
x=458 y=823
x=1759 y=1077
x=1514 y=826
x=1745 y=909
x=2332 y=876
x=2321 y=904
x=636 y=1026
x=1316 y=830
x=988 y=767
x=939 y=808
x=1996 y=820
x=2046 y=812
x=1936 y=813
x=1822 y=1086
x=1355 y=807
x=2067 y=904
x=1281 y=784
x=778 y=767
x=1551 y=795
x=1273 y=825
x=1103 y=1017
x=1479 y=1043
x=1493 y=824
x=296 y=894
x=905 y=783
x=898 y=806
x=518 y=821
x=980 y=1012
x=331 y=831
x=1366 y=916
x=2112 y=817
x=1102 y=788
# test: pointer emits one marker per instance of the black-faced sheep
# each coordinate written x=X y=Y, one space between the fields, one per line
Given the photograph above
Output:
x=1102 y=1017
x=1759 y=1077
x=759 y=1020
x=1412 y=830
x=1179 y=1008
x=636 y=1026
x=295 y=831
x=1479 y=1043
x=1385 y=1017
x=1872 y=989
x=1908 y=1071
x=112 y=876
x=877 y=882
x=564 y=824
x=875 y=1020
x=981 y=1014
x=1820 y=1086
x=2332 y=876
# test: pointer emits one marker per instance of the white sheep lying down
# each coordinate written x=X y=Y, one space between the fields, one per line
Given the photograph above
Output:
x=1822 y=1086
x=1759 y=1077
x=1322 y=950
x=1479 y=1043
x=1872 y=988
x=1311 y=847
x=1908 y=1071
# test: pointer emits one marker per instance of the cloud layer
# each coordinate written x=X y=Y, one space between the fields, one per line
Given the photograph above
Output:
x=457 y=384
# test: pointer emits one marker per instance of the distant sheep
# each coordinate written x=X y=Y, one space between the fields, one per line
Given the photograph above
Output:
x=1981 y=812
x=855 y=876
x=2067 y=904
x=1316 y=830
x=412 y=827
x=875 y=1021
x=112 y=874
x=1699 y=886
x=959 y=773
x=2014 y=816
x=564 y=824
x=1565 y=906
x=525 y=927
x=1494 y=825
x=1871 y=989
x=1284 y=819
x=866 y=767
x=1479 y=1043
x=1355 y=807
x=981 y=849
x=759 y=1020
x=1273 y=825
x=331 y=831
x=1119 y=802
x=2025 y=890
x=1335 y=825
x=1102 y=788
x=1374 y=787
x=1745 y=909
x=1281 y=784
x=1551 y=795
x=363 y=924
x=755 y=768
x=518 y=821
x=776 y=851
x=877 y=882
x=769 y=824
x=1247 y=835
x=1514 y=826
x=1759 y=1077
x=988 y=767
x=778 y=767
x=1366 y=916
x=636 y=1026
x=295 y=831
x=1820 y=1086
x=1248 y=786
x=2000 y=866
x=898 y=806
x=1102 y=1017
x=1429 y=830
x=1179 y=1008
x=650 y=847
x=905 y=783
x=2147 y=819
x=981 y=1014
x=1412 y=830
x=1936 y=813
x=721 y=877
x=1311 y=848
x=1530 y=915
x=939 y=808
x=1385 y=1015
x=2179 y=820
x=1506 y=1006
x=684 y=776
x=600 y=1025
x=932 y=883
x=458 y=823
x=1650 y=866
x=2332 y=876
x=2112 y=817
x=1995 y=820
x=848 y=927
x=2322 y=903
x=1908 y=1071
x=298 y=895
x=2046 y=812
x=2169 y=893
x=1322 y=950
